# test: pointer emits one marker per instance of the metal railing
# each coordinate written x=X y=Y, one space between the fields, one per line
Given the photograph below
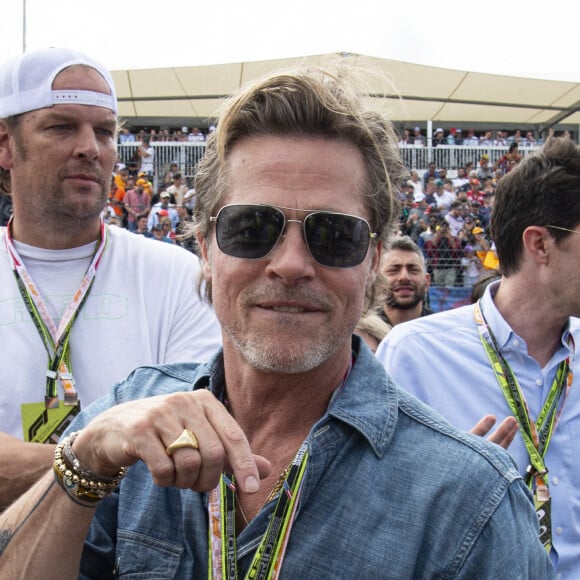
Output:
x=187 y=155
x=451 y=157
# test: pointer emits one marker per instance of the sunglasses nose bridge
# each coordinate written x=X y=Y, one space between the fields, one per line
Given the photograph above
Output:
x=288 y=221
x=284 y=232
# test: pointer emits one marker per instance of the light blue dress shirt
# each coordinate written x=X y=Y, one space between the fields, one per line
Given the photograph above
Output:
x=391 y=491
x=440 y=359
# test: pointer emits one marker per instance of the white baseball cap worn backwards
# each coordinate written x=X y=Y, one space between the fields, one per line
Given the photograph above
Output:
x=26 y=82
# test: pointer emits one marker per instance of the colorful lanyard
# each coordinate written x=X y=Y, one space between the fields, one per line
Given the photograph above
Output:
x=267 y=561
x=268 y=558
x=56 y=340
x=536 y=434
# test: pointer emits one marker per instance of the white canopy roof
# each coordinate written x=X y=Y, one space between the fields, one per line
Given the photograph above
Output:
x=424 y=93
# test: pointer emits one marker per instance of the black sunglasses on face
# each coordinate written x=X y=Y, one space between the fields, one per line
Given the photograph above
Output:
x=251 y=231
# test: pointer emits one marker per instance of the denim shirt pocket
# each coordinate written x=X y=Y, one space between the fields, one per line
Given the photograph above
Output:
x=141 y=557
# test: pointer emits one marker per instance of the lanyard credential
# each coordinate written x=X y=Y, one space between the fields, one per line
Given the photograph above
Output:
x=267 y=561
x=56 y=339
x=535 y=434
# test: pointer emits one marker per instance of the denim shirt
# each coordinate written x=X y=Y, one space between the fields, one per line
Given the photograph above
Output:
x=391 y=491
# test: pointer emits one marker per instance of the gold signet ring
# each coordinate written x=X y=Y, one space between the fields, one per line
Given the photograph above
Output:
x=186 y=439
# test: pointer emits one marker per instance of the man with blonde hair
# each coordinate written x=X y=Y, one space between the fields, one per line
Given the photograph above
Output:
x=291 y=454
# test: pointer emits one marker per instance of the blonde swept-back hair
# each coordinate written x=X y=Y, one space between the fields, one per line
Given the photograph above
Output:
x=304 y=103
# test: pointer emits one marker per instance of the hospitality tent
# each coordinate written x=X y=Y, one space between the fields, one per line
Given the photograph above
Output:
x=192 y=95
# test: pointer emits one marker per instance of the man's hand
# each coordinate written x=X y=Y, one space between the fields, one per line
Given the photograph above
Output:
x=143 y=429
x=503 y=435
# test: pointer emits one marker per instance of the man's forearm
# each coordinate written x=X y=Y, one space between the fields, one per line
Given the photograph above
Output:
x=21 y=466
x=42 y=534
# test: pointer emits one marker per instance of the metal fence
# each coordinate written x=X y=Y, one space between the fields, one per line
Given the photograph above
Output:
x=187 y=155
x=453 y=156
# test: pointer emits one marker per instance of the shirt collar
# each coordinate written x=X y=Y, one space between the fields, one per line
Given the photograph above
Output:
x=502 y=331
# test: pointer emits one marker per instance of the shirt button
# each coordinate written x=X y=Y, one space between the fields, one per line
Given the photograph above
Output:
x=555 y=480
x=539 y=382
x=559 y=530
x=516 y=343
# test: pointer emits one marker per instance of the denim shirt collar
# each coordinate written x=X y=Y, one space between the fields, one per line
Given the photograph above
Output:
x=367 y=401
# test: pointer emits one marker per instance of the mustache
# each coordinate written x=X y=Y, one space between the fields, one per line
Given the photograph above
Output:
x=276 y=293
x=409 y=286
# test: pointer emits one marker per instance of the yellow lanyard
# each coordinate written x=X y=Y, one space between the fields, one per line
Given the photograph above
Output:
x=535 y=434
x=267 y=561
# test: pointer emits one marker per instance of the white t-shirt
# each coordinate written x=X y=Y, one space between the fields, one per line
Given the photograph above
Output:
x=147 y=162
x=143 y=309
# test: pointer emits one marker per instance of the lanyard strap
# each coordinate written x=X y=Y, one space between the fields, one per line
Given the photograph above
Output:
x=56 y=339
x=536 y=434
x=269 y=555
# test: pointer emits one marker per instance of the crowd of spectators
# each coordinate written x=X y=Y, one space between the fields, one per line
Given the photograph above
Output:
x=193 y=135
x=161 y=215
x=447 y=214
x=455 y=136
x=445 y=211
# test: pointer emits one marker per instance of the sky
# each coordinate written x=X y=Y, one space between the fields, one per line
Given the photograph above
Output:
x=528 y=38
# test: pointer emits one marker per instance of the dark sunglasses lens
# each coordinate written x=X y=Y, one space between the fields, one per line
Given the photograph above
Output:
x=248 y=231
x=335 y=240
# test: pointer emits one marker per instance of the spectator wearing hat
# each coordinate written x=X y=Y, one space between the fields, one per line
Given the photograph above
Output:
x=444 y=196
x=451 y=136
x=163 y=208
x=471 y=266
x=418 y=139
x=81 y=313
x=438 y=137
x=458 y=137
x=137 y=203
x=479 y=243
x=474 y=192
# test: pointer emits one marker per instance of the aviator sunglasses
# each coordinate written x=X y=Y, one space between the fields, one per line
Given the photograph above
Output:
x=251 y=231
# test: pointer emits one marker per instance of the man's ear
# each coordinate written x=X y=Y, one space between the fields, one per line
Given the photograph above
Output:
x=6 y=161
x=537 y=243
x=376 y=258
x=205 y=264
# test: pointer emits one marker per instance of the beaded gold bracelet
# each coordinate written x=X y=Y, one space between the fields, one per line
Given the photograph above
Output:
x=82 y=484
